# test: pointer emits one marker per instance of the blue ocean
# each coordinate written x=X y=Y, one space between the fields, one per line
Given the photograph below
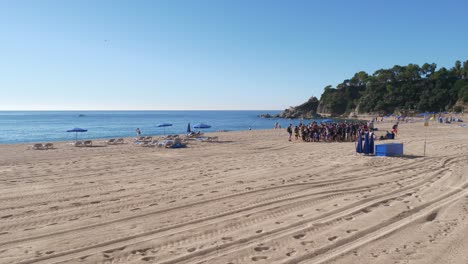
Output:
x=40 y=126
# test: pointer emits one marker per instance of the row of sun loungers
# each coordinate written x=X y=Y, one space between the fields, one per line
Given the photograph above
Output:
x=167 y=143
x=114 y=141
x=86 y=143
x=42 y=146
x=170 y=141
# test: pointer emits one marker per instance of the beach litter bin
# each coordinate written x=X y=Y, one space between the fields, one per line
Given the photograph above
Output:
x=389 y=150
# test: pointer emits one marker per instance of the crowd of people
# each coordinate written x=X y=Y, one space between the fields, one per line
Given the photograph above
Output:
x=334 y=132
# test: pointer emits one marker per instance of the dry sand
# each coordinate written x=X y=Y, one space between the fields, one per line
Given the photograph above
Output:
x=253 y=197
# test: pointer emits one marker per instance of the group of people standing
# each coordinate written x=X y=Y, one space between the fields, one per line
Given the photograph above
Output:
x=328 y=132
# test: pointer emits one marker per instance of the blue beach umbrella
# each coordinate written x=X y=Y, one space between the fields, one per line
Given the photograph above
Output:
x=77 y=130
x=201 y=126
x=164 y=125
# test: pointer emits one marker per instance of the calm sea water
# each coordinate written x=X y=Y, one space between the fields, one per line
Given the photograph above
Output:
x=40 y=126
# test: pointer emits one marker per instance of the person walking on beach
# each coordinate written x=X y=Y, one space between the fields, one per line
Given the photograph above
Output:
x=138 y=132
x=290 y=130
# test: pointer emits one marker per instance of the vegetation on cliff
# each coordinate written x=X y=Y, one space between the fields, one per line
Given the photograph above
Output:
x=402 y=89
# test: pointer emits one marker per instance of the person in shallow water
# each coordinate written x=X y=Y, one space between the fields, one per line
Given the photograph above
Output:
x=138 y=132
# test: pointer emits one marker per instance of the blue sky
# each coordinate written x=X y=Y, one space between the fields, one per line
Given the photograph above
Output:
x=211 y=54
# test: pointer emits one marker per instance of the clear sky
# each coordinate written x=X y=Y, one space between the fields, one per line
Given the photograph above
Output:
x=211 y=54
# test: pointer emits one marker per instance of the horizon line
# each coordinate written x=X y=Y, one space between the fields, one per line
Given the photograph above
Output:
x=102 y=110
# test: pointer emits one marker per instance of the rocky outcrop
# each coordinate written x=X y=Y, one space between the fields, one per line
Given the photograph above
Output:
x=307 y=110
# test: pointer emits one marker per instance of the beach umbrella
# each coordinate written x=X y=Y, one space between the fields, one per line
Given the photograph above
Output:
x=189 y=130
x=77 y=130
x=359 y=143
x=201 y=126
x=366 y=143
x=164 y=125
x=371 y=143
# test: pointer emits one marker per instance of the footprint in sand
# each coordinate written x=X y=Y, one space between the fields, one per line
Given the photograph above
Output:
x=305 y=243
x=291 y=253
x=299 y=236
x=332 y=238
x=191 y=249
x=259 y=231
x=148 y=258
x=351 y=231
x=257 y=258
x=260 y=249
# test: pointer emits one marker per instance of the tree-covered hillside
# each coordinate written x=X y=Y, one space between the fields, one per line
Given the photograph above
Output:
x=402 y=89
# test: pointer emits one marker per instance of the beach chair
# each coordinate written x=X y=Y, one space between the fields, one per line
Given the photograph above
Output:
x=120 y=141
x=78 y=144
x=177 y=143
x=110 y=141
x=211 y=139
x=88 y=143
x=48 y=145
x=38 y=146
x=139 y=139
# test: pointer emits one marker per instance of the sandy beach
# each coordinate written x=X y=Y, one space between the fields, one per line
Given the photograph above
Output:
x=252 y=197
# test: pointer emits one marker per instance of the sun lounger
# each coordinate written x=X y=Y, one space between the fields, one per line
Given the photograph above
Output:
x=119 y=141
x=177 y=143
x=194 y=135
x=110 y=141
x=38 y=146
x=88 y=143
x=48 y=145
x=78 y=144
x=210 y=139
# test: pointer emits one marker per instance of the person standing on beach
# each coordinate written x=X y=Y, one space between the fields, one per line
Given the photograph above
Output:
x=290 y=130
x=138 y=132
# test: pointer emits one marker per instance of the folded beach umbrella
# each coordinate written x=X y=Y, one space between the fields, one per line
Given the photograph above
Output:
x=165 y=125
x=366 y=143
x=359 y=143
x=201 y=125
x=371 y=144
x=77 y=130
x=189 y=130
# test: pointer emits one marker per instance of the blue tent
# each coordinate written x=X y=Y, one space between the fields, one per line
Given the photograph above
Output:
x=77 y=130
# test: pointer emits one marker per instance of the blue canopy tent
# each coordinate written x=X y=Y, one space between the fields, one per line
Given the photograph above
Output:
x=164 y=125
x=77 y=130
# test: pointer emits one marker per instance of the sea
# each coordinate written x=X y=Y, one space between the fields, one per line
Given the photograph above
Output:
x=48 y=126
